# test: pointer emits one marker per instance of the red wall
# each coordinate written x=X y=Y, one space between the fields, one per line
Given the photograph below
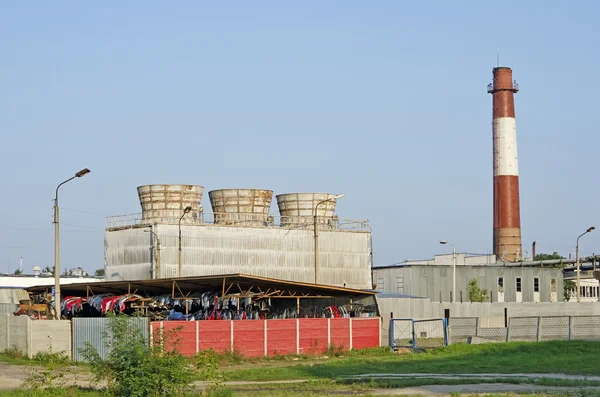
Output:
x=257 y=338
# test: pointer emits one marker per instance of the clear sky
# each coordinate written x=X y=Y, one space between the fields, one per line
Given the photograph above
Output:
x=383 y=101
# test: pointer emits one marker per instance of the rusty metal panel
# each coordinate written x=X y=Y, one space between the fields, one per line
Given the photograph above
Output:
x=243 y=207
x=93 y=330
x=168 y=201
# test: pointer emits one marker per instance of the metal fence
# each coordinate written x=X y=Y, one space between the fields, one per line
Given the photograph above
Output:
x=526 y=329
x=247 y=220
x=407 y=332
x=94 y=330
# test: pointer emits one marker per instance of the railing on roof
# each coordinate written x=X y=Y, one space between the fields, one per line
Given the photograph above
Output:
x=243 y=220
x=491 y=88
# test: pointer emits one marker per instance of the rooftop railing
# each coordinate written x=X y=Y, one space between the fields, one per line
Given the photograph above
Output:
x=243 y=220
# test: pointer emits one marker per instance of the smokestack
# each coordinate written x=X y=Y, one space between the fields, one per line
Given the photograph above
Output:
x=21 y=265
x=507 y=214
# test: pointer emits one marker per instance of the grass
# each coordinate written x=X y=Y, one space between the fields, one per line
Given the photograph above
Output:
x=574 y=357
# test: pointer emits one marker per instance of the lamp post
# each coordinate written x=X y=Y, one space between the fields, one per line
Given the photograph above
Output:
x=157 y=254
x=453 y=268
x=81 y=173
x=186 y=210
x=316 y=233
x=591 y=229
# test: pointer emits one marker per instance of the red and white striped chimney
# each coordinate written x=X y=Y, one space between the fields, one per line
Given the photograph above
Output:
x=507 y=214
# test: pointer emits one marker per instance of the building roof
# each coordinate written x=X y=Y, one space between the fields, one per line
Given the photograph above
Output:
x=26 y=281
x=230 y=284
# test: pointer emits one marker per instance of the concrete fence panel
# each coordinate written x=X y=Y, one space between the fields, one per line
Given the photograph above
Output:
x=555 y=328
x=50 y=336
x=523 y=329
x=585 y=328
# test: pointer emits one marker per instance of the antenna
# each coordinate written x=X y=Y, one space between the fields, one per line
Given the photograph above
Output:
x=498 y=60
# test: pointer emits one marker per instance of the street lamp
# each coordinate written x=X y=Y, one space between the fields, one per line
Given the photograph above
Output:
x=316 y=233
x=186 y=210
x=443 y=242
x=81 y=173
x=157 y=254
x=591 y=229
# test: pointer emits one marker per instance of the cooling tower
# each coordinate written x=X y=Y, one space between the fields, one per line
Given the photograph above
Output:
x=297 y=209
x=241 y=207
x=166 y=203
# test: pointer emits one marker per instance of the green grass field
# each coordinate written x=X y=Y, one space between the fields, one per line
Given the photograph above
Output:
x=326 y=375
x=571 y=357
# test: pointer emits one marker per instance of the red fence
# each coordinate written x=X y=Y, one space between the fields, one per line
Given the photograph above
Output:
x=255 y=338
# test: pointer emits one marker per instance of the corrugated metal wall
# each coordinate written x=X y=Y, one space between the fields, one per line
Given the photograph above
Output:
x=286 y=254
x=12 y=295
x=8 y=308
x=431 y=280
x=92 y=330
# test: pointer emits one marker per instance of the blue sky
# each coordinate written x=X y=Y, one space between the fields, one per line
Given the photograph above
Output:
x=385 y=102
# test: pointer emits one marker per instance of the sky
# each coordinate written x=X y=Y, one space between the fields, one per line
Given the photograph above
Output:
x=383 y=101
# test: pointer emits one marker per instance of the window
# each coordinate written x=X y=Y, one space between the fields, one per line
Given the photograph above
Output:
x=536 y=284
x=518 y=284
x=400 y=284
x=500 y=283
x=380 y=284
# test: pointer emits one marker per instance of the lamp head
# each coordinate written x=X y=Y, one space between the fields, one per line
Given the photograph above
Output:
x=187 y=209
x=590 y=229
x=83 y=172
x=443 y=242
x=337 y=196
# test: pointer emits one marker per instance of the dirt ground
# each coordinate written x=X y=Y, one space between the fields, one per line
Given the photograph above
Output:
x=14 y=376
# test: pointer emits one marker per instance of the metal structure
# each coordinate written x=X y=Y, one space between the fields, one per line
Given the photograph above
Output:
x=79 y=174
x=507 y=215
x=155 y=271
x=298 y=209
x=589 y=230
x=241 y=207
x=453 y=291
x=316 y=231
x=417 y=334
x=161 y=202
x=186 y=210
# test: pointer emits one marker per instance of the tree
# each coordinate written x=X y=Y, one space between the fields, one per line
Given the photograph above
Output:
x=477 y=294
x=48 y=269
x=547 y=257
x=568 y=285
x=18 y=271
x=99 y=273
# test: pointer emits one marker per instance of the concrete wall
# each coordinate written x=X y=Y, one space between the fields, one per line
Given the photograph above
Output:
x=433 y=282
x=490 y=314
x=50 y=335
x=31 y=337
x=286 y=254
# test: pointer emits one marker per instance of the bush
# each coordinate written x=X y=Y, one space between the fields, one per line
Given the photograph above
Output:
x=133 y=368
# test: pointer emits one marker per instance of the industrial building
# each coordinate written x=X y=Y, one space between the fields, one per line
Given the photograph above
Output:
x=505 y=282
x=174 y=237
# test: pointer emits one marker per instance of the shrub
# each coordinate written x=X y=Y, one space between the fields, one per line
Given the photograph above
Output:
x=133 y=368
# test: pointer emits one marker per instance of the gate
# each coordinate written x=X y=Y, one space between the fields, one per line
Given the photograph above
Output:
x=92 y=330
x=406 y=332
x=430 y=333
